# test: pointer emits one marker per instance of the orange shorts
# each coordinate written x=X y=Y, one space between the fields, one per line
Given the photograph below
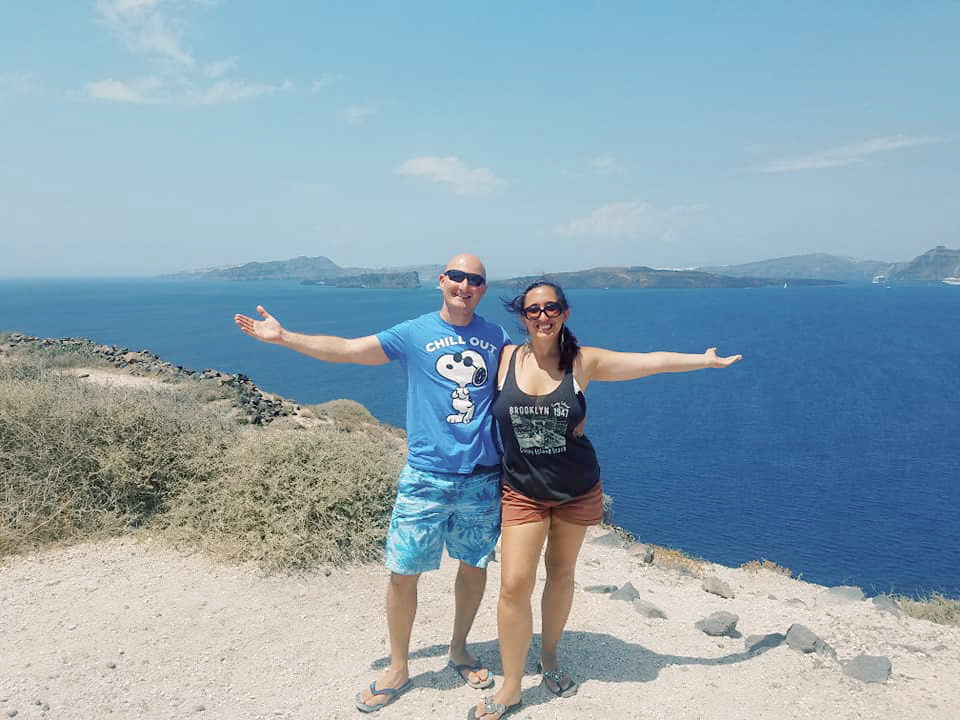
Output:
x=518 y=509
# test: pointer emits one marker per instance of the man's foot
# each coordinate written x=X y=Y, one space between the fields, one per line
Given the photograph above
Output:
x=490 y=709
x=382 y=692
x=473 y=672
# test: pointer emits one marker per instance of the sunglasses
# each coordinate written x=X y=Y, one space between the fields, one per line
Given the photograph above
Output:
x=550 y=309
x=473 y=280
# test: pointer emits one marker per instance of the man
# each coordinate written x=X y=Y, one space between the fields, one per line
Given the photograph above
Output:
x=449 y=490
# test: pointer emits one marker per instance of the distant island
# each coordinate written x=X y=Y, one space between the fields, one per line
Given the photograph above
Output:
x=934 y=266
x=407 y=279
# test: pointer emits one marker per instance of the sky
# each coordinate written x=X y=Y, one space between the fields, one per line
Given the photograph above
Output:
x=141 y=137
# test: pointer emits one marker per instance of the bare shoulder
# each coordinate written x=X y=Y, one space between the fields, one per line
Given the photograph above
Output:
x=505 y=354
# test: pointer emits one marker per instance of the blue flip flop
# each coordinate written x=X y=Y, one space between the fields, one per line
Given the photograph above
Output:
x=391 y=693
x=467 y=667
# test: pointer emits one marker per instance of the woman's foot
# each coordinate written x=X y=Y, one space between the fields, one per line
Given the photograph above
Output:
x=558 y=681
x=494 y=707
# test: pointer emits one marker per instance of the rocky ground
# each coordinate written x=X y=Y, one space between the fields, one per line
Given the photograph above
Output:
x=131 y=628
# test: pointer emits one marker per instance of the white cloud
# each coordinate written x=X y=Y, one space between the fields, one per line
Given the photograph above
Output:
x=224 y=91
x=143 y=27
x=462 y=180
x=219 y=68
x=627 y=219
x=143 y=91
x=844 y=155
x=358 y=114
x=151 y=28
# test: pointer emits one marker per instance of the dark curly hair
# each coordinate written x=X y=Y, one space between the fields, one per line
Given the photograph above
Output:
x=568 y=341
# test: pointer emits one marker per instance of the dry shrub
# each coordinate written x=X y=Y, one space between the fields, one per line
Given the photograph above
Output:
x=755 y=566
x=936 y=608
x=79 y=460
x=293 y=499
x=677 y=560
x=349 y=416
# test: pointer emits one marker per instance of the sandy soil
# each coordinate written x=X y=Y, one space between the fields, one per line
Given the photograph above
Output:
x=133 y=629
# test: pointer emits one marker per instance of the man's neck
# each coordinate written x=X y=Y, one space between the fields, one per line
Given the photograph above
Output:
x=455 y=318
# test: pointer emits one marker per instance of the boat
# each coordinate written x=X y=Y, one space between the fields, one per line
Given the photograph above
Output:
x=879 y=279
x=952 y=280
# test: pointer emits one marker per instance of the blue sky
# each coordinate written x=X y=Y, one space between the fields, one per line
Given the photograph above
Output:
x=140 y=137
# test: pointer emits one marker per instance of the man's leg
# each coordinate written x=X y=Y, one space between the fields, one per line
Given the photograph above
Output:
x=471 y=538
x=468 y=592
x=401 y=610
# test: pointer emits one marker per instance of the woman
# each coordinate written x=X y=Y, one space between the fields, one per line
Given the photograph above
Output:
x=552 y=488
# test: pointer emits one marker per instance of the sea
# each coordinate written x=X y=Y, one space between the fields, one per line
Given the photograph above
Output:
x=831 y=449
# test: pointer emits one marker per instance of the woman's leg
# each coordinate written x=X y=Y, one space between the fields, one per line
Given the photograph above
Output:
x=520 y=547
x=563 y=547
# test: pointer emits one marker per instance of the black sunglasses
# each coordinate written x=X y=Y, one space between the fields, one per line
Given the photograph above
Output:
x=473 y=280
x=550 y=309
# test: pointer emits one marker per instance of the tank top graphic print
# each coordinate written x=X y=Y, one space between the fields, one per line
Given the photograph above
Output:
x=542 y=458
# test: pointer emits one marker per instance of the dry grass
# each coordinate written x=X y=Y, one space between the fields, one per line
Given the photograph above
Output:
x=756 y=566
x=81 y=460
x=678 y=560
x=936 y=608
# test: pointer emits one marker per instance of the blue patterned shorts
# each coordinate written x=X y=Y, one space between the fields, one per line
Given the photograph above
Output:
x=433 y=509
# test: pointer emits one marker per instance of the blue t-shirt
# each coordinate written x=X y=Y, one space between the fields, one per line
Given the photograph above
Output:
x=451 y=382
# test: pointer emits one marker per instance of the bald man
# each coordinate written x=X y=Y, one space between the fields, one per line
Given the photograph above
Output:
x=449 y=490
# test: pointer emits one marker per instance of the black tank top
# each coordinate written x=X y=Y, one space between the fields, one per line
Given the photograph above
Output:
x=541 y=456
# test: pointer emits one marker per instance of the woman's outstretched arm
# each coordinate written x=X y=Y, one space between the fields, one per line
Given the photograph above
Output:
x=611 y=366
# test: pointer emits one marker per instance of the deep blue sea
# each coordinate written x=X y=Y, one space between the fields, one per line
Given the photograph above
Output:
x=831 y=449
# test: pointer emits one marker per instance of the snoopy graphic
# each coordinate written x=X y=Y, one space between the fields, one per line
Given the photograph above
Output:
x=463 y=368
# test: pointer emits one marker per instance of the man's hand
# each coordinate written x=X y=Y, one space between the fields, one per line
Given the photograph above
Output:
x=267 y=330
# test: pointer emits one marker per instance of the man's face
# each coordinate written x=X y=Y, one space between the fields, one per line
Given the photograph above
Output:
x=459 y=294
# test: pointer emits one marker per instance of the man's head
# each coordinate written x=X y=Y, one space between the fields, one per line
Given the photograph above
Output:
x=463 y=283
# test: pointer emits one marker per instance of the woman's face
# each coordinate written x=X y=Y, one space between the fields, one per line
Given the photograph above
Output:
x=543 y=298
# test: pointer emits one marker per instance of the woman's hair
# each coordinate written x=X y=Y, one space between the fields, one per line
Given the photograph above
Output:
x=568 y=341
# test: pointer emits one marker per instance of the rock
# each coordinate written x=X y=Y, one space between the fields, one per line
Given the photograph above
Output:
x=611 y=539
x=840 y=595
x=719 y=624
x=641 y=550
x=717 y=586
x=626 y=592
x=648 y=609
x=885 y=603
x=803 y=639
x=607 y=509
x=868 y=668
x=600 y=589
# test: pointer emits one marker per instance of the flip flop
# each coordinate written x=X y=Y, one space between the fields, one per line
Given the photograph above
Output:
x=391 y=693
x=460 y=669
x=490 y=707
x=557 y=676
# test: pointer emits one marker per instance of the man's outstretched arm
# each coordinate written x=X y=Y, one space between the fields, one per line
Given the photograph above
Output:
x=329 y=348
